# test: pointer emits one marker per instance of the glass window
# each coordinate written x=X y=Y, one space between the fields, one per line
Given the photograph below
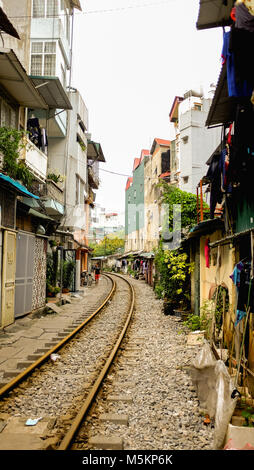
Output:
x=50 y=47
x=49 y=64
x=36 y=64
x=38 y=8
x=52 y=7
x=37 y=47
x=43 y=58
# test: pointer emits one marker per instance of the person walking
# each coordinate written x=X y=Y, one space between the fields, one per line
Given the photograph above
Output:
x=97 y=272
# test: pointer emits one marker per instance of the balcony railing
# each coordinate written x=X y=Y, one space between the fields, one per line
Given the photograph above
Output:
x=35 y=160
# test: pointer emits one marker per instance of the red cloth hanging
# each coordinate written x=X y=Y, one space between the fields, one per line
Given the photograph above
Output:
x=207 y=252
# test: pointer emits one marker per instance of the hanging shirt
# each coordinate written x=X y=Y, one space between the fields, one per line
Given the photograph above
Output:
x=241 y=277
x=207 y=253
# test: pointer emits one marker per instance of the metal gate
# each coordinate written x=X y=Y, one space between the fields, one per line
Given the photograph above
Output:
x=8 y=277
x=24 y=273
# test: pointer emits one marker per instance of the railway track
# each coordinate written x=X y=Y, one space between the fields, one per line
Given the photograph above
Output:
x=57 y=347
x=29 y=386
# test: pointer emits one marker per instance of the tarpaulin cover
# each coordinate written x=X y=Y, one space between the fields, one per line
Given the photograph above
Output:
x=214 y=388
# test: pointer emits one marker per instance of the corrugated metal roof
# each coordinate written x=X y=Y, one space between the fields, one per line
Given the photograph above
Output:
x=6 y=26
x=214 y=13
x=223 y=107
x=19 y=188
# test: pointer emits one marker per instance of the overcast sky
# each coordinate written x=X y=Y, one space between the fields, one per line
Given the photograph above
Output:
x=128 y=64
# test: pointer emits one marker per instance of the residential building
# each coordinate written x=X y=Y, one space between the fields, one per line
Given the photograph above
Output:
x=222 y=247
x=24 y=230
x=73 y=158
x=135 y=206
x=156 y=169
x=193 y=143
x=105 y=223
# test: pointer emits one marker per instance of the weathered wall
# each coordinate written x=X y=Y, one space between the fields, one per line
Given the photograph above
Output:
x=19 y=14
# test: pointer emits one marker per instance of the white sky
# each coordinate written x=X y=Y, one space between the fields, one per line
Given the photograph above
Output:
x=128 y=66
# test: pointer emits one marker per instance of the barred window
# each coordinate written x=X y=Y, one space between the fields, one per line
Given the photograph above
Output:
x=50 y=47
x=52 y=7
x=37 y=47
x=42 y=8
x=43 y=58
x=50 y=64
x=38 y=8
x=36 y=65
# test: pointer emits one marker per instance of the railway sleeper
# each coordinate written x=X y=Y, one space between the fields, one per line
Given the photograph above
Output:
x=106 y=443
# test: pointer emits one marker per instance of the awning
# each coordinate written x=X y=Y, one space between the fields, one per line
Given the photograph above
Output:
x=52 y=91
x=17 y=83
x=214 y=13
x=149 y=255
x=15 y=185
x=205 y=227
x=6 y=26
x=39 y=215
x=53 y=207
x=94 y=151
x=222 y=110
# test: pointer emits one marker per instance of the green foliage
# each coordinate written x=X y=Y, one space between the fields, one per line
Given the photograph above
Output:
x=55 y=178
x=51 y=274
x=172 y=195
x=248 y=414
x=174 y=276
x=108 y=246
x=11 y=144
x=68 y=273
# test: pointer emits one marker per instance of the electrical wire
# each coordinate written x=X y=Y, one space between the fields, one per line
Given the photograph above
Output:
x=109 y=10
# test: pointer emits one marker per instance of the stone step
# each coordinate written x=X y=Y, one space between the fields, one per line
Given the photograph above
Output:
x=11 y=373
x=33 y=357
x=24 y=364
x=51 y=344
x=41 y=351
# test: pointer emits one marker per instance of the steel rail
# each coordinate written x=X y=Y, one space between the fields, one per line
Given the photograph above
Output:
x=24 y=374
x=69 y=436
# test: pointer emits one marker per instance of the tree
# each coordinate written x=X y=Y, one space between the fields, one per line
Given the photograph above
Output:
x=108 y=246
x=188 y=201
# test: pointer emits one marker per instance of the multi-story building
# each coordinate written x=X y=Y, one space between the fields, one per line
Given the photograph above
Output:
x=135 y=206
x=105 y=223
x=24 y=229
x=73 y=158
x=193 y=143
x=157 y=168
x=57 y=150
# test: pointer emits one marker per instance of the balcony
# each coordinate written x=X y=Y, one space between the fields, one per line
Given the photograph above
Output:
x=35 y=160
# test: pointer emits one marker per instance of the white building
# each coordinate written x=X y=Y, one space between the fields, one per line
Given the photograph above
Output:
x=104 y=222
x=194 y=142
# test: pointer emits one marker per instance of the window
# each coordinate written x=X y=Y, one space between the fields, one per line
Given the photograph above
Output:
x=45 y=8
x=198 y=106
x=8 y=116
x=185 y=179
x=43 y=58
x=38 y=8
x=52 y=7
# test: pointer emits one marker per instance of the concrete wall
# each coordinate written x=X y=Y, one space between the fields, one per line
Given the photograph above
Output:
x=19 y=13
x=196 y=142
